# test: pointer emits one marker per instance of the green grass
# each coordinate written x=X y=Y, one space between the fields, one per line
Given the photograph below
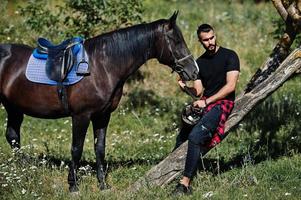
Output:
x=260 y=159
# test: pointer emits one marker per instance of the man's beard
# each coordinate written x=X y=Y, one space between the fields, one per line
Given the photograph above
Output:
x=211 y=48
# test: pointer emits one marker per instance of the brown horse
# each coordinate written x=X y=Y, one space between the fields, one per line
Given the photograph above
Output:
x=113 y=57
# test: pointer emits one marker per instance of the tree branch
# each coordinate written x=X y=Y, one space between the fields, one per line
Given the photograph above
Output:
x=280 y=8
x=293 y=11
x=282 y=48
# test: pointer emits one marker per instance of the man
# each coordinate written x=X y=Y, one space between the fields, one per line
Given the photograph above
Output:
x=219 y=71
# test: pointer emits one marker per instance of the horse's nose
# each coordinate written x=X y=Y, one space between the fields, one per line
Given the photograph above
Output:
x=194 y=76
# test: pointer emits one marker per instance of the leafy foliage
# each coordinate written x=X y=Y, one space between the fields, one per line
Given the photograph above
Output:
x=80 y=17
x=40 y=18
x=91 y=16
x=11 y=28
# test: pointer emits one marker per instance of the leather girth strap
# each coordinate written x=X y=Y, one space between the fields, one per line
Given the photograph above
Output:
x=59 y=62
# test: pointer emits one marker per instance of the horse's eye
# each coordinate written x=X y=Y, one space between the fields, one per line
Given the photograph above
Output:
x=176 y=40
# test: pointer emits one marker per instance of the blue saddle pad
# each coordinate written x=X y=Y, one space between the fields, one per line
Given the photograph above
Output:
x=36 y=70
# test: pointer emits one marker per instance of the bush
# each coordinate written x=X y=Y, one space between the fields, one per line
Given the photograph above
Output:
x=11 y=29
x=86 y=18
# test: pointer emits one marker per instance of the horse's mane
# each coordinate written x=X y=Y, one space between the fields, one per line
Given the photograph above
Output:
x=126 y=42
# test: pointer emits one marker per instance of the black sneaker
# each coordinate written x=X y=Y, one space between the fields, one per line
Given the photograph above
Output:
x=182 y=189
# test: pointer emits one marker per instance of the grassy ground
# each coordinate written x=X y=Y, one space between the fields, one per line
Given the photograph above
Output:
x=260 y=159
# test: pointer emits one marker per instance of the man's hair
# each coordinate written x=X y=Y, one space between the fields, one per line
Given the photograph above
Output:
x=204 y=28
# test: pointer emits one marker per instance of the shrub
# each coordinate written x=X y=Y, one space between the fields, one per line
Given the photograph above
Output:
x=80 y=17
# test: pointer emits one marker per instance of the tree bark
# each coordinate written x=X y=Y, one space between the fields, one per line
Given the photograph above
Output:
x=280 y=8
x=173 y=165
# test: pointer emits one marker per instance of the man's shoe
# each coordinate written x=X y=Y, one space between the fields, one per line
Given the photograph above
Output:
x=182 y=189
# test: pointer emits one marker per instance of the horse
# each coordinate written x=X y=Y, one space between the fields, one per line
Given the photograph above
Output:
x=113 y=57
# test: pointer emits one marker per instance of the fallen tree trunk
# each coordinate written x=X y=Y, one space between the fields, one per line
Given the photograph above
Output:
x=173 y=165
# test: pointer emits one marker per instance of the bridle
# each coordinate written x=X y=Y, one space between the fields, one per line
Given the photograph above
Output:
x=177 y=65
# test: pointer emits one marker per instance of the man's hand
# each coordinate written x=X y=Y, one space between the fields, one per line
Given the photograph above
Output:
x=200 y=103
x=181 y=83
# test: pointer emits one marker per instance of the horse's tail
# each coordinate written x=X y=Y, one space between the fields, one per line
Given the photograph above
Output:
x=5 y=53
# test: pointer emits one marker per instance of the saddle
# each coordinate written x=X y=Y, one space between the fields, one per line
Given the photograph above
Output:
x=60 y=58
x=59 y=61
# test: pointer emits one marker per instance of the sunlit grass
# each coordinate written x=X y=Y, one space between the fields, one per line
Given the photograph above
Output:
x=260 y=159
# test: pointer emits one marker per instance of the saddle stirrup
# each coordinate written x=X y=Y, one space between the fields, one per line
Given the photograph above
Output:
x=83 y=66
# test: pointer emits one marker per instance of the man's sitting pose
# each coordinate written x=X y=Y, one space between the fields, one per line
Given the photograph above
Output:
x=219 y=71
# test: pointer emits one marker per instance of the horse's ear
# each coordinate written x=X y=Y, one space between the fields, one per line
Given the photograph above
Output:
x=173 y=18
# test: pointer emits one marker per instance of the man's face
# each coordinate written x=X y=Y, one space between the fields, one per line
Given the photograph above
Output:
x=208 y=40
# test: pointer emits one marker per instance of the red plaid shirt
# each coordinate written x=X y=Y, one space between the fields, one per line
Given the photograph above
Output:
x=226 y=106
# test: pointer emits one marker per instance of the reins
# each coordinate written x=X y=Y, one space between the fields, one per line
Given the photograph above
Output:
x=187 y=91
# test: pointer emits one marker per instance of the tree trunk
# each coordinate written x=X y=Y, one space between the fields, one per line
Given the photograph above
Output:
x=173 y=165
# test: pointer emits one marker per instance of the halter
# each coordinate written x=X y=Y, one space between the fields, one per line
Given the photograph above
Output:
x=176 y=66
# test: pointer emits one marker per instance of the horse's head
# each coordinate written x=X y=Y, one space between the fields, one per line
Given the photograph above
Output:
x=172 y=50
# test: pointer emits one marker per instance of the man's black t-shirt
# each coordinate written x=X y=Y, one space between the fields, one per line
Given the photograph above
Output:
x=213 y=70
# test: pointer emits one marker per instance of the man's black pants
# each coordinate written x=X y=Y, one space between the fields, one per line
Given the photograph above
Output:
x=198 y=136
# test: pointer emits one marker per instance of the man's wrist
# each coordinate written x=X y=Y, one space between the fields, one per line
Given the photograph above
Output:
x=182 y=85
x=205 y=102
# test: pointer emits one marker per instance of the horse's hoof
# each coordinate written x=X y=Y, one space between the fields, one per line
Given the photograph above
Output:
x=75 y=194
x=74 y=189
x=104 y=186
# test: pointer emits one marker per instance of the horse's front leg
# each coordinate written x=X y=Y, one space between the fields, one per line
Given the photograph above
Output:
x=100 y=125
x=80 y=124
x=14 y=121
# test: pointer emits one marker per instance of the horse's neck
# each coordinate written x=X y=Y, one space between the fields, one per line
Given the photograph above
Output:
x=125 y=61
x=141 y=52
